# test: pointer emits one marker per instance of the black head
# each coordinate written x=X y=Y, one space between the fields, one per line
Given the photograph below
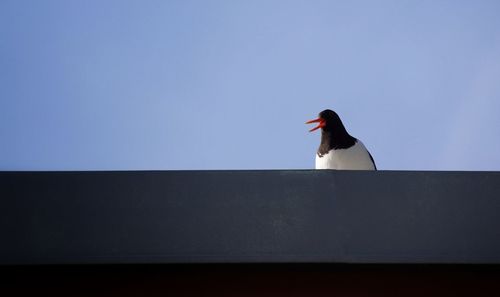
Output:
x=331 y=119
x=333 y=133
x=328 y=120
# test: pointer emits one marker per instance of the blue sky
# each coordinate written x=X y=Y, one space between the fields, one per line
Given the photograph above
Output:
x=103 y=85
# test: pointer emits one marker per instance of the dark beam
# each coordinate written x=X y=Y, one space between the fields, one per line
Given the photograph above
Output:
x=295 y=216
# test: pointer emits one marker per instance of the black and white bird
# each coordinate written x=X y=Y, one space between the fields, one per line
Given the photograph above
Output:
x=338 y=149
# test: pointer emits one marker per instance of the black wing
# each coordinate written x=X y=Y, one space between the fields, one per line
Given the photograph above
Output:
x=371 y=158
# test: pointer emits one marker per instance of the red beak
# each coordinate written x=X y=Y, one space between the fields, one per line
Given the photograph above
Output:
x=321 y=124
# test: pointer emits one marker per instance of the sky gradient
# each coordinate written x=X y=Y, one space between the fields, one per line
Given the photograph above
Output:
x=161 y=85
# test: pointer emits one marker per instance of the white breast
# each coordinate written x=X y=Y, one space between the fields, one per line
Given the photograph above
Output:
x=354 y=158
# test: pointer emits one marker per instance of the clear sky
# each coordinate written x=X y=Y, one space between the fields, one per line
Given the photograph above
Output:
x=102 y=85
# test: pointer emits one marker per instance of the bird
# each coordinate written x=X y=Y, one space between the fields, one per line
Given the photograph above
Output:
x=338 y=149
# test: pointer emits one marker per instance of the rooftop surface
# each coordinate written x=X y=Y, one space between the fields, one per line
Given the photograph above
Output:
x=277 y=216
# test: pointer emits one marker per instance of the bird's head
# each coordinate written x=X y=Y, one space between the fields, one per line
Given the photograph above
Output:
x=326 y=120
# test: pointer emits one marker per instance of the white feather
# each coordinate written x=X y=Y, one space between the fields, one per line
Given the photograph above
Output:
x=354 y=158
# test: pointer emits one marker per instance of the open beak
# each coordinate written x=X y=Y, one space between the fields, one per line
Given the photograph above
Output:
x=321 y=124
